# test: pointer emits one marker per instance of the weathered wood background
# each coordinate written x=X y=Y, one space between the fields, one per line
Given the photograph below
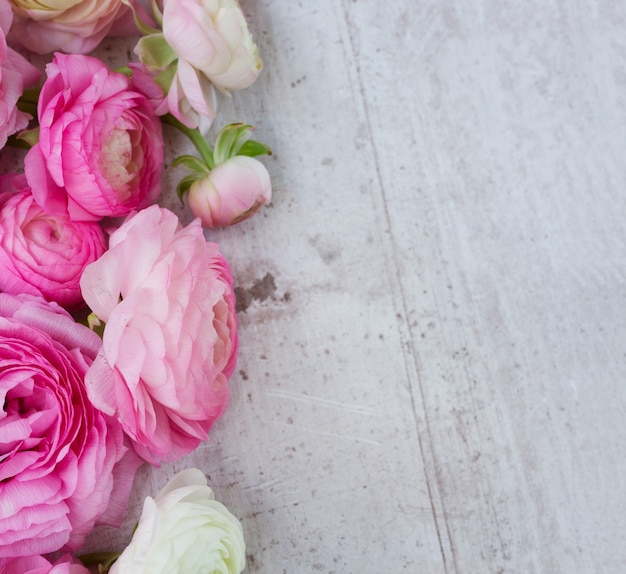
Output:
x=433 y=308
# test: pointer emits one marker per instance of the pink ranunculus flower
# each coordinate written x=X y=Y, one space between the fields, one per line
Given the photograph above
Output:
x=100 y=149
x=16 y=73
x=39 y=565
x=74 y=26
x=170 y=337
x=231 y=192
x=43 y=254
x=64 y=466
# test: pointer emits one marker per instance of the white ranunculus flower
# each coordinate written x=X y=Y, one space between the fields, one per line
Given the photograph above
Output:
x=184 y=530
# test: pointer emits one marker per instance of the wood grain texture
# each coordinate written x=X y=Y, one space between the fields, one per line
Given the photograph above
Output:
x=432 y=310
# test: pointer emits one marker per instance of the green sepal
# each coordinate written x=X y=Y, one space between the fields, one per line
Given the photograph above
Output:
x=156 y=12
x=155 y=52
x=29 y=137
x=193 y=163
x=229 y=141
x=164 y=79
x=30 y=95
x=103 y=560
x=253 y=148
x=14 y=142
x=95 y=324
x=141 y=26
x=234 y=140
x=183 y=186
x=29 y=108
x=124 y=70
x=27 y=102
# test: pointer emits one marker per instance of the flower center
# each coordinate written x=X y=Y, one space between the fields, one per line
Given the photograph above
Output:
x=120 y=160
x=41 y=232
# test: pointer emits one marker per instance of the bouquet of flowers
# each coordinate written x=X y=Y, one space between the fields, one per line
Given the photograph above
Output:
x=118 y=331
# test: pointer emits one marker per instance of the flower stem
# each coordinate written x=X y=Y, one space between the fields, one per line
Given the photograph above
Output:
x=204 y=149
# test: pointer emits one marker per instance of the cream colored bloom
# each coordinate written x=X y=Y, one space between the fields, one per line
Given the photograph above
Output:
x=184 y=530
x=73 y=26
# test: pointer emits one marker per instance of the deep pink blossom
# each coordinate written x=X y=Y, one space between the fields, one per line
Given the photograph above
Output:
x=170 y=340
x=43 y=254
x=64 y=466
x=100 y=150
x=39 y=565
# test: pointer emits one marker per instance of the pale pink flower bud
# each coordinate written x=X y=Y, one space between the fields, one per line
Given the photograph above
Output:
x=231 y=192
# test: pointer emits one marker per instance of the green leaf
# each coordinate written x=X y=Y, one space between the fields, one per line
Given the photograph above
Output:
x=193 y=163
x=183 y=186
x=253 y=148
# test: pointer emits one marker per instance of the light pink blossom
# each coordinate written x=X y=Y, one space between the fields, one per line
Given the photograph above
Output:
x=213 y=37
x=231 y=192
x=16 y=73
x=74 y=26
x=39 y=565
x=189 y=97
x=208 y=45
x=64 y=464
x=43 y=254
x=170 y=340
x=100 y=148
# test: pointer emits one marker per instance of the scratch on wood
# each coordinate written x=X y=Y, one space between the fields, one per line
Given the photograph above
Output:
x=410 y=356
x=346 y=407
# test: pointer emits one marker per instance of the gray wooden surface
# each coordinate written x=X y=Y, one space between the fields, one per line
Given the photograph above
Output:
x=432 y=310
